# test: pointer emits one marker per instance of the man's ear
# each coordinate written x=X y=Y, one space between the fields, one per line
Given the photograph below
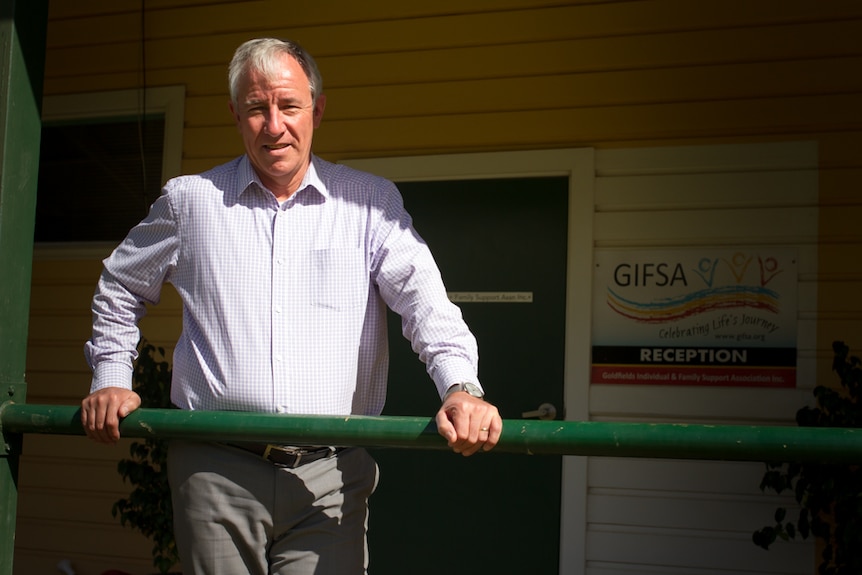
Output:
x=233 y=112
x=319 y=106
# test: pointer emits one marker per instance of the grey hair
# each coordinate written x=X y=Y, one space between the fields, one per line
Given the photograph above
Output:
x=262 y=55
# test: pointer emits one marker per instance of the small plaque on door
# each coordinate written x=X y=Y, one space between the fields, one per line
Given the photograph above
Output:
x=490 y=296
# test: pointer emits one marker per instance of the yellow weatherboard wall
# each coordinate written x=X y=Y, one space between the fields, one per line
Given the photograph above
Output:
x=451 y=76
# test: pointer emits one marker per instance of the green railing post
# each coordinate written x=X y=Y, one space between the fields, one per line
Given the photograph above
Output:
x=23 y=25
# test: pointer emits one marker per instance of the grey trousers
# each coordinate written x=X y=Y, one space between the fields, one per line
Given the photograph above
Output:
x=235 y=513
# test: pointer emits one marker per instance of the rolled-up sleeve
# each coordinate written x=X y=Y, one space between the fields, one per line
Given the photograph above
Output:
x=411 y=285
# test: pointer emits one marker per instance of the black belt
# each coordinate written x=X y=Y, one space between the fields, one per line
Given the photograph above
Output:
x=287 y=456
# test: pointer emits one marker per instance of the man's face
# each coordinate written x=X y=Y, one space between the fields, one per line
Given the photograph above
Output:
x=276 y=118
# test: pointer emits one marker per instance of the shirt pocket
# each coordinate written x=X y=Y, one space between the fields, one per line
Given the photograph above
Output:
x=339 y=278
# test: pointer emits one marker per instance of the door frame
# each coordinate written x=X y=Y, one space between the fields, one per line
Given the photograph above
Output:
x=578 y=164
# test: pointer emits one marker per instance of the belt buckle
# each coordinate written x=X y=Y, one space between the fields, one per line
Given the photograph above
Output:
x=298 y=456
x=296 y=452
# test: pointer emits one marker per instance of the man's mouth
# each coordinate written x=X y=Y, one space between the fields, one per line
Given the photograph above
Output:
x=276 y=146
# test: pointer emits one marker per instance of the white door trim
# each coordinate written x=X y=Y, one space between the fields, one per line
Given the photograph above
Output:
x=579 y=165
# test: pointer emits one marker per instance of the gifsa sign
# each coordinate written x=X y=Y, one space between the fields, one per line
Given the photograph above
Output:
x=695 y=317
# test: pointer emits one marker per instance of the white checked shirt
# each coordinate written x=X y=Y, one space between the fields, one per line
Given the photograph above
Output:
x=283 y=305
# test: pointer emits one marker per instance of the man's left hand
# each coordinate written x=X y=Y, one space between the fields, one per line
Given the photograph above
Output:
x=469 y=423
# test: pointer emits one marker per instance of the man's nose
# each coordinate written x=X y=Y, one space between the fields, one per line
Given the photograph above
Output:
x=273 y=121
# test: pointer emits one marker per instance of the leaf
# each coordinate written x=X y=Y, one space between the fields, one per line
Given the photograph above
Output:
x=764 y=537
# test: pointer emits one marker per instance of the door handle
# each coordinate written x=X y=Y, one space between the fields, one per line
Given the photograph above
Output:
x=545 y=411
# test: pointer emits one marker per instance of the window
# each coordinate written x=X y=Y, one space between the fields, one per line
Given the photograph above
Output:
x=102 y=164
x=97 y=179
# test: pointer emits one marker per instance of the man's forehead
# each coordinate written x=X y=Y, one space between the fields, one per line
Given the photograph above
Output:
x=281 y=83
x=277 y=94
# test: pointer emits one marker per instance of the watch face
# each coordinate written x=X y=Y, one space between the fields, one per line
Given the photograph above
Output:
x=473 y=390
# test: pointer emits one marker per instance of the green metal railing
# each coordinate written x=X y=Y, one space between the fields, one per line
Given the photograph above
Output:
x=659 y=440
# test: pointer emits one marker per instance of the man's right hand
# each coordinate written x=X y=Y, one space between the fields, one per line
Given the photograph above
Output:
x=102 y=410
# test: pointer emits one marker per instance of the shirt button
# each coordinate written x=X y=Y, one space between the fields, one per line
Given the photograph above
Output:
x=278 y=309
x=278 y=357
x=281 y=408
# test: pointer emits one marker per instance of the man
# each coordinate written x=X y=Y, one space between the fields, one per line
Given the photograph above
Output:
x=285 y=264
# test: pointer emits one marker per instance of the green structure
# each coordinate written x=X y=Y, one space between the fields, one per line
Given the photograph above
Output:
x=22 y=63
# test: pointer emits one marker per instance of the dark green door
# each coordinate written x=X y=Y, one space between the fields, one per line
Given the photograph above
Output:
x=438 y=512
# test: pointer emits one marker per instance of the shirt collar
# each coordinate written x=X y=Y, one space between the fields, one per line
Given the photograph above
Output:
x=312 y=179
x=246 y=176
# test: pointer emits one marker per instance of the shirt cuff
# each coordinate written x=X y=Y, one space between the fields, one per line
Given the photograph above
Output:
x=452 y=372
x=111 y=374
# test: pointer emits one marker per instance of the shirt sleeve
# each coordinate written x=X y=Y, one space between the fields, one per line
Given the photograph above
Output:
x=132 y=277
x=410 y=283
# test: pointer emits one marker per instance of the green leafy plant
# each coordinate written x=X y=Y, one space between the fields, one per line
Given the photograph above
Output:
x=148 y=507
x=829 y=495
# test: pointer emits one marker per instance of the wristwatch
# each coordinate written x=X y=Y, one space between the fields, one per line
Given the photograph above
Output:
x=470 y=388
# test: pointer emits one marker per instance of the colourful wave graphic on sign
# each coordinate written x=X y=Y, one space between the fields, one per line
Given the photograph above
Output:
x=687 y=305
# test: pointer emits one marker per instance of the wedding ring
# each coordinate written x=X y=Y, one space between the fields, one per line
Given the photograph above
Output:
x=483 y=429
